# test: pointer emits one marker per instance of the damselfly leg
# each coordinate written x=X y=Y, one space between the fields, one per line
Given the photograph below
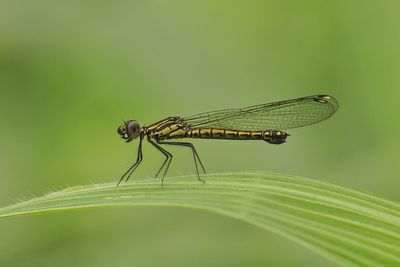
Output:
x=139 y=158
x=167 y=161
x=195 y=155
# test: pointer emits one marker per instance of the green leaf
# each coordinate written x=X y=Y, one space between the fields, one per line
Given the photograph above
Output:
x=349 y=227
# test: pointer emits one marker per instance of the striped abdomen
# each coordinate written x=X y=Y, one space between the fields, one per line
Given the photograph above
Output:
x=270 y=136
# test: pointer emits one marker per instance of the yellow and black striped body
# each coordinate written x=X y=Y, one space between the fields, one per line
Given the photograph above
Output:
x=270 y=136
x=166 y=129
x=173 y=127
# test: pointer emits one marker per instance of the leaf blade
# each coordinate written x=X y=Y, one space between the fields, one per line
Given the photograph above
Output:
x=351 y=228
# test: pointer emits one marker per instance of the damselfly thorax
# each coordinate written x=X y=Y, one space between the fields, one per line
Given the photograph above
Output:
x=261 y=122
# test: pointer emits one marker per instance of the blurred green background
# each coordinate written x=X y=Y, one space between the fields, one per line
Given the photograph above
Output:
x=71 y=71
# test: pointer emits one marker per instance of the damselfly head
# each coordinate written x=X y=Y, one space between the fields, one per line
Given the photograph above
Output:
x=129 y=131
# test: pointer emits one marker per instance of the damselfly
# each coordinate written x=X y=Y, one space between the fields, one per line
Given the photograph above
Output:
x=261 y=122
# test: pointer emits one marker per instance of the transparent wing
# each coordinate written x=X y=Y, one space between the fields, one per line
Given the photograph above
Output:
x=280 y=115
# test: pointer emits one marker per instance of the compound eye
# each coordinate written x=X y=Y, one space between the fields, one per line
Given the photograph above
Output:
x=133 y=129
